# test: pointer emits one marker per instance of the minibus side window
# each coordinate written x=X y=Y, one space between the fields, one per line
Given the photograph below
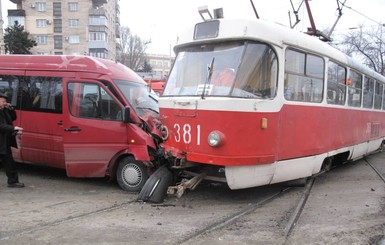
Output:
x=42 y=94
x=9 y=86
x=89 y=100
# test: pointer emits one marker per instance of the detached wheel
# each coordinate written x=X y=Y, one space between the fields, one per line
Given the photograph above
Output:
x=131 y=174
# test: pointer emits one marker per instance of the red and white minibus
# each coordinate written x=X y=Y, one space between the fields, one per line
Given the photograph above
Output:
x=92 y=117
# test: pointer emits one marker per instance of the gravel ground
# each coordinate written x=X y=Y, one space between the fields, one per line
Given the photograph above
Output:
x=346 y=206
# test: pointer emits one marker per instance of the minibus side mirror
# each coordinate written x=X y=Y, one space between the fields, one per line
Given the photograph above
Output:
x=126 y=115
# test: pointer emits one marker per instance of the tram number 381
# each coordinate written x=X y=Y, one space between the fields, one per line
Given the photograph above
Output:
x=185 y=133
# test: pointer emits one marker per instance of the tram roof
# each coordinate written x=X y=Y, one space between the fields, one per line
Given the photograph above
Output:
x=276 y=35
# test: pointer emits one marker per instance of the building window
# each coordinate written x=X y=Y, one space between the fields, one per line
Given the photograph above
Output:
x=73 y=22
x=41 y=23
x=57 y=25
x=58 y=41
x=41 y=39
x=73 y=7
x=56 y=9
x=12 y=20
x=97 y=20
x=74 y=39
x=101 y=53
x=98 y=36
x=40 y=6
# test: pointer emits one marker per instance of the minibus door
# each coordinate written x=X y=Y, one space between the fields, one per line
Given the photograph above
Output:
x=93 y=129
x=40 y=104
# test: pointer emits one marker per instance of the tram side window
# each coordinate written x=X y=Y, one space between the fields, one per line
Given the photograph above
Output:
x=336 y=84
x=9 y=86
x=354 y=89
x=304 y=75
x=378 y=92
x=88 y=100
x=368 y=92
x=383 y=101
x=42 y=94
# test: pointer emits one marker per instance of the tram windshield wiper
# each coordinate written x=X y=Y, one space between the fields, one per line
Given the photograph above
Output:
x=210 y=70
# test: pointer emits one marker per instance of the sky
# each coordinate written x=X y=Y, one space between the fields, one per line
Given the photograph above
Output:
x=160 y=20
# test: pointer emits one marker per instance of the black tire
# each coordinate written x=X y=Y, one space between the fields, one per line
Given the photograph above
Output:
x=131 y=174
x=155 y=189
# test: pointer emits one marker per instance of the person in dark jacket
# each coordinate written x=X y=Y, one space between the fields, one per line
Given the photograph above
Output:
x=8 y=140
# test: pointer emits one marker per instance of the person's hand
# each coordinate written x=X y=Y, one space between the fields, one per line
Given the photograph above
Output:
x=8 y=105
x=17 y=128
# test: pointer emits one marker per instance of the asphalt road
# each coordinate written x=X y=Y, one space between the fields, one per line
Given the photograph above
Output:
x=346 y=206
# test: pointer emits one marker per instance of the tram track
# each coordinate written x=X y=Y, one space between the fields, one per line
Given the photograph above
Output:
x=301 y=204
x=291 y=222
x=381 y=175
x=232 y=218
x=46 y=225
x=309 y=185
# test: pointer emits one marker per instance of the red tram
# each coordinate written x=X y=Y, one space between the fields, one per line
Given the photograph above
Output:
x=253 y=103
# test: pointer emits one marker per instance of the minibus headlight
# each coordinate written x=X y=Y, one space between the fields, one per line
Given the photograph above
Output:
x=164 y=132
x=215 y=138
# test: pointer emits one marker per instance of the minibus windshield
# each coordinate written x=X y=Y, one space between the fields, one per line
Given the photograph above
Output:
x=242 y=69
x=138 y=95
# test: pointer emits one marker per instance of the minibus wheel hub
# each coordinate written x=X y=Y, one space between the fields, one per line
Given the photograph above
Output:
x=131 y=174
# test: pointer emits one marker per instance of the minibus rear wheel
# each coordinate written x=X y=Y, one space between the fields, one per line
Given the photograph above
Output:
x=131 y=174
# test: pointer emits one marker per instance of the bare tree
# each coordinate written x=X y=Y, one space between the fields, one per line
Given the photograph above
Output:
x=367 y=45
x=131 y=49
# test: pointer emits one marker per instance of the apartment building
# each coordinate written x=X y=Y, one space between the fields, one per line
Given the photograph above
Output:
x=70 y=27
x=160 y=64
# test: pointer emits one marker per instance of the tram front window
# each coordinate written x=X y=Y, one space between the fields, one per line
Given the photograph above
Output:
x=234 y=69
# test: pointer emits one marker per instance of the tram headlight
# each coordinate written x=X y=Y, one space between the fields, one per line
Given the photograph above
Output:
x=215 y=138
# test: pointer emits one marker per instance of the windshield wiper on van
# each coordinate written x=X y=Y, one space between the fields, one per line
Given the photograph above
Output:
x=153 y=98
x=210 y=69
x=147 y=108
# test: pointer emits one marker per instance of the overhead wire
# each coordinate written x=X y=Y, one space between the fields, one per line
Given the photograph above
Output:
x=343 y=4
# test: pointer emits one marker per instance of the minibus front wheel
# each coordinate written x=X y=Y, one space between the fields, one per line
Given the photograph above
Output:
x=131 y=174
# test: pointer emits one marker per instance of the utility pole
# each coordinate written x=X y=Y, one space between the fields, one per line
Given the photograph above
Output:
x=2 y=49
